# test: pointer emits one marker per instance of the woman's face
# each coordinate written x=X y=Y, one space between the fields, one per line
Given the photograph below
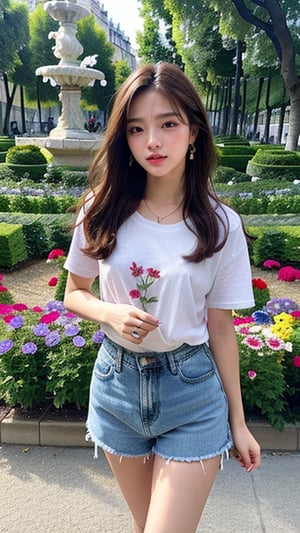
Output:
x=157 y=136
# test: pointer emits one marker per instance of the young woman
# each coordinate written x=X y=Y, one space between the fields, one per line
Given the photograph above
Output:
x=165 y=399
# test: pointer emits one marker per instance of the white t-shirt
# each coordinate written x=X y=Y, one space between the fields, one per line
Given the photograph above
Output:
x=184 y=290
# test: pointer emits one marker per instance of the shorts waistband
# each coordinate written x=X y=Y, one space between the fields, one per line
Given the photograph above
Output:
x=143 y=359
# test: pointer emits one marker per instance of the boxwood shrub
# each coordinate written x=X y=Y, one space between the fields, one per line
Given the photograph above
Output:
x=279 y=164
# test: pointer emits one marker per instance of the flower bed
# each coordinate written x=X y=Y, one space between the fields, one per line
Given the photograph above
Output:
x=47 y=354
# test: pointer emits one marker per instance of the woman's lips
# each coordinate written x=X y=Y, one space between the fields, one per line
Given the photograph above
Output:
x=156 y=159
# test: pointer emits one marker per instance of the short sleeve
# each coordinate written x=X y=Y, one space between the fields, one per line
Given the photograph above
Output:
x=77 y=261
x=232 y=286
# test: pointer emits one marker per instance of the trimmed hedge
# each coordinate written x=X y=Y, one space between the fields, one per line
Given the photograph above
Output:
x=277 y=164
x=235 y=156
x=36 y=204
x=12 y=245
x=281 y=243
x=41 y=233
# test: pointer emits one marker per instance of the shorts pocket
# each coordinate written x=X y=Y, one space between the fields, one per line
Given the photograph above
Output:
x=104 y=365
x=196 y=368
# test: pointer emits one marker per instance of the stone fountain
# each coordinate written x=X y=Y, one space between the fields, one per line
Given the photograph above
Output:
x=69 y=142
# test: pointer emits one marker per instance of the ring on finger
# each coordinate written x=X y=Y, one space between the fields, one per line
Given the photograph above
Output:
x=135 y=335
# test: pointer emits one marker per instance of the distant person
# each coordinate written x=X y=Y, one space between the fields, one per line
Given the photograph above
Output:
x=165 y=399
x=91 y=123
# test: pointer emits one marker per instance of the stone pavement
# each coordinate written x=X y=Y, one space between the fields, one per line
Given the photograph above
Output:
x=64 y=490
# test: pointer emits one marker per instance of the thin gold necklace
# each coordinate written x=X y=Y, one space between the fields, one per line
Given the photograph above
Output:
x=159 y=218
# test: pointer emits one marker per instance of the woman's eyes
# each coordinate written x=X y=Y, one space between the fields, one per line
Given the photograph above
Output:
x=165 y=125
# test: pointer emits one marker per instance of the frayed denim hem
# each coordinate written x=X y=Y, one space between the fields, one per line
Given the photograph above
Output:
x=98 y=444
x=224 y=452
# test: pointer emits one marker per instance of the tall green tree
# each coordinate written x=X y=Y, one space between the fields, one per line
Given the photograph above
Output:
x=94 y=41
x=274 y=18
x=14 y=38
x=153 y=46
x=122 y=71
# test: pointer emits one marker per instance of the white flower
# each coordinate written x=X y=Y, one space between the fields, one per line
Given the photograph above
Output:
x=288 y=347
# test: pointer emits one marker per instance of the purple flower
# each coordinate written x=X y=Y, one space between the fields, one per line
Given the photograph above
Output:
x=98 y=336
x=55 y=305
x=16 y=322
x=52 y=339
x=29 y=347
x=41 y=330
x=71 y=330
x=78 y=341
x=6 y=345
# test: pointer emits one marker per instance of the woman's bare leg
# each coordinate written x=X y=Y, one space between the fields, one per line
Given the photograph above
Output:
x=179 y=493
x=134 y=476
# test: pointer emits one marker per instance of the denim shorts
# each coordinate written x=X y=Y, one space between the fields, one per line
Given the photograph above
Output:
x=169 y=403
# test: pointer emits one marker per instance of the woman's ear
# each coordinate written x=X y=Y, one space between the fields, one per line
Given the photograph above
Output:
x=193 y=134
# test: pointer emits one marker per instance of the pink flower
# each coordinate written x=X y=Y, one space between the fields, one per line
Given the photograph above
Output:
x=296 y=361
x=136 y=271
x=134 y=293
x=242 y=320
x=295 y=314
x=3 y=289
x=55 y=253
x=288 y=273
x=37 y=309
x=53 y=281
x=274 y=343
x=153 y=273
x=252 y=374
x=19 y=307
x=253 y=342
x=271 y=263
x=5 y=308
x=49 y=317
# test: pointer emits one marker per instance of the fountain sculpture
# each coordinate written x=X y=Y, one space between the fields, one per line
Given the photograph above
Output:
x=69 y=142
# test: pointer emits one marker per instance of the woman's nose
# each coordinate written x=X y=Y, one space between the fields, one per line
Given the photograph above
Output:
x=153 y=141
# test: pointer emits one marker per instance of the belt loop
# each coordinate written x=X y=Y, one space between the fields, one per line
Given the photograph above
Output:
x=172 y=363
x=119 y=359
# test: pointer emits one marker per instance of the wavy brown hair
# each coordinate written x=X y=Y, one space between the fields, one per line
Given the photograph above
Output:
x=118 y=188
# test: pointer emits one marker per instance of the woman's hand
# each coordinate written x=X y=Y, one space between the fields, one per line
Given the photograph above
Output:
x=130 y=322
x=246 y=449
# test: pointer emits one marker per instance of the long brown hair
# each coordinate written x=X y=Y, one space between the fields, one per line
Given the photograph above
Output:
x=118 y=187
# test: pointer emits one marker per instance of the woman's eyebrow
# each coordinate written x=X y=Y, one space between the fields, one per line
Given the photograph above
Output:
x=160 y=116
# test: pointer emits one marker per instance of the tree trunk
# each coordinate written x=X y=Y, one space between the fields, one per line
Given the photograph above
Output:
x=281 y=122
x=260 y=86
x=9 y=103
x=269 y=113
x=237 y=88
x=243 y=110
x=22 y=109
x=294 y=121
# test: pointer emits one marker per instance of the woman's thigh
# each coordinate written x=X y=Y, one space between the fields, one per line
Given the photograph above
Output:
x=179 y=493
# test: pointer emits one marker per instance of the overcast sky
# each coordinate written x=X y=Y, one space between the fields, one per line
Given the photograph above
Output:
x=125 y=12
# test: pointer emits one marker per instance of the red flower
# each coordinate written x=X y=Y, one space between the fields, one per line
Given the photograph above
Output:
x=55 y=253
x=37 y=309
x=8 y=318
x=53 y=281
x=153 y=273
x=136 y=271
x=296 y=361
x=3 y=289
x=259 y=283
x=19 y=307
x=134 y=293
x=49 y=317
x=295 y=314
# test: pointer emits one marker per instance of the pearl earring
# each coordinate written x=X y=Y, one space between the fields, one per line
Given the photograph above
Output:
x=192 y=151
